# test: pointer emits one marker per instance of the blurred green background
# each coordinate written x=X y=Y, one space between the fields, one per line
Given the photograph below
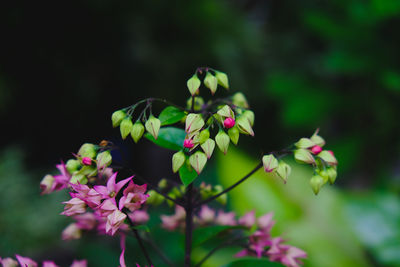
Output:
x=66 y=66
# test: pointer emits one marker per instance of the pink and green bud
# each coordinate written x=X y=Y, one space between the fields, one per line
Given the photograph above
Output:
x=137 y=131
x=240 y=100
x=222 y=79
x=208 y=147
x=104 y=159
x=193 y=84
x=229 y=123
x=198 y=160
x=87 y=150
x=318 y=140
x=86 y=161
x=126 y=127
x=316 y=149
x=8 y=262
x=46 y=185
x=211 y=82
x=226 y=112
x=270 y=163
x=73 y=165
x=188 y=143
x=153 y=126
x=328 y=157
x=178 y=159
x=250 y=116
x=222 y=140
x=244 y=125
x=117 y=117
x=194 y=122
x=304 y=143
x=71 y=232
x=302 y=155
x=234 y=135
x=204 y=135
x=316 y=183
x=198 y=103
x=283 y=171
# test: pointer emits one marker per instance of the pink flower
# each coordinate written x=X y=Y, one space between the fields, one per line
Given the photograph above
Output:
x=74 y=206
x=133 y=196
x=87 y=194
x=71 y=232
x=86 y=221
x=287 y=255
x=225 y=218
x=265 y=222
x=114 y=221
x=174 y=221
x=316 y=149
x=188 y=143
x=139 y=217
x=248 y=220
x=112 y=188
x=258 y=241
x=8 y=262
x=61 y=180
x=206 y=215
x=229 y=123
x=25 y=262
x=49 y=264
x=107 y=207
x=81 y=263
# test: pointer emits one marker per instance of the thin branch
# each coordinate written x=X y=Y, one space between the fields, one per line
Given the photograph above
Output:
x=140 y=241
x=189 y=224
x=159 y=251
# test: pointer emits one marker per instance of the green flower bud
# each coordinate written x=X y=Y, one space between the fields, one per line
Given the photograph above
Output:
x=208 y=147
x=283 y=170
x=329 y=174
x=126 y=127
x=204 y=135
x=117 y=117
x=328 y=157
x=77 y=177
x=154 y=198
x=270 y=163
x=163 y=183
x=211 y=82
x=318 y=140
x=153 y=126
x=250 y=116
x=205 y=191
x=193 y=84
x=87 y=150
x=302 y=155
x=234 y=134
x=72 y=165
x=88 y=171
x=198 y=160
x=177 y=160
x=222 y=140
x=104 y=159
x=137 y=131
x=304 y=143
x=223 y=198
x=194 y=122
x=244 y=125
x=222 y=79
x=239 y=100
x=226 y=111
x=198 y=103
x=316 y=183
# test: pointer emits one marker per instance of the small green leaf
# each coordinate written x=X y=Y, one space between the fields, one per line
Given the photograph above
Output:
x=169 y=137
x=202 y=234
x=187 y=174
x=171 y=115
x=251 y=262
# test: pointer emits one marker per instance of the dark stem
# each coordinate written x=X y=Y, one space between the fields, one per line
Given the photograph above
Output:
x=231 y=187
x=159 y=251
x=140 y=241
x=209 y=254
x=188 y=224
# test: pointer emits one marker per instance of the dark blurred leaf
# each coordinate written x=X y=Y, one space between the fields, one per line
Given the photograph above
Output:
x=391 y=80
x=170 y=115
x=169 y=137
x=202 y=234
x=187 y=174
x=251 y=262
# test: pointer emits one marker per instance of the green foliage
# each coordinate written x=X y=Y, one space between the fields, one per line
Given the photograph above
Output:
x=171 y=115
x=251 y=262
x=187 y=174
x=202 y=234
x=169 y=137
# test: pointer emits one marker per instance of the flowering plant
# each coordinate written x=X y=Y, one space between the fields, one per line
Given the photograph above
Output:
x=103 y=201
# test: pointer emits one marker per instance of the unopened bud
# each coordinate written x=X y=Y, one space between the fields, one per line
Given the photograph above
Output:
x=226 y=112
x=211 y=82
x=198 y=103
x=126 y=127
x=223 y=198
x=71 y=232
x=244 y=125
x=154 y=198
x=163 y=183
x=117 y=117
x=318 y=140
x=208 y=147
x=316 y=183
x=193 y=84
x=177 y=160
x=137 y=131
x=250 y=116
x=328 y=157
x=270 y=163
x=72 y=165
x=104 y=159
x=198 y=160
x=153 y=126
x=46 y=184
x=222 y=140
x=188 y=143
x=302 y=155
x=229 y=123
x=283 y=170
x=234 y=135
x=204 y=135
x=87 y=150
x=222 y=79
x=86 y=161
x=329 y=174
x=239 y=100
x=304 y=143
x=316 y=149
x=194 y=122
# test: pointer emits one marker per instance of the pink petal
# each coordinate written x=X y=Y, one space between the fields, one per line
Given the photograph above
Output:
x=111 y=183
x=121 y=184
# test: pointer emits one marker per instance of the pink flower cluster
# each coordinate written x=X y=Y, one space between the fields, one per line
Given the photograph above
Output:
x=27 y=262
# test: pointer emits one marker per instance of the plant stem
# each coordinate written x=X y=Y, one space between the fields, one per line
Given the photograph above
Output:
x=188 y=224
x=159 y=251
x=140 y=241
x=231 y=187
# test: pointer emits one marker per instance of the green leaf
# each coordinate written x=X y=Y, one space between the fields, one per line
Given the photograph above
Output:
x=170 y=115
x=202 y=234
x=251 y=262
x=169 y=137
x=187 y=174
